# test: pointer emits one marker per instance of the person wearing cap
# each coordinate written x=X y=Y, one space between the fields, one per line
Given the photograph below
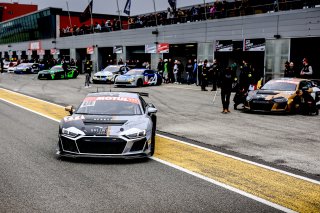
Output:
x=306 y=71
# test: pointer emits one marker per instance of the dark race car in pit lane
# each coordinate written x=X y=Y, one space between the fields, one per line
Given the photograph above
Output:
x=109 y=125
x=280 y=95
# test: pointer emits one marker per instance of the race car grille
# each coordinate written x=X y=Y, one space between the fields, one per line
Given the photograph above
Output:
x=101 y=145
x=264 y=106
x=282 y=105
x=138 y=145
x=69 y=145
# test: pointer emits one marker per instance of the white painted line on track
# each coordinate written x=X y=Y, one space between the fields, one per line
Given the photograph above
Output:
x=230 y=188
x=244 y=160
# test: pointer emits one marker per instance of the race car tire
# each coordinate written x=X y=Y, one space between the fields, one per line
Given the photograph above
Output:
x=139 y=83
x=153 y=136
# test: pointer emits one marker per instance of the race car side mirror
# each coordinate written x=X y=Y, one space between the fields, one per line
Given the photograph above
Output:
x=69 y=109
x=152 y=110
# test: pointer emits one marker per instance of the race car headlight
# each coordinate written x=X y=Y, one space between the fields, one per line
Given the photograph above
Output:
x=134 y=133
x=72 y=132
x=280 y=100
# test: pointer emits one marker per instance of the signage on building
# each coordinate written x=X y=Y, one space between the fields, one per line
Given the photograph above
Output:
x=54 y=51
x=40 y=52
x=160 y=48
x=29 y=52
x=224 y=46
x=254 y=44
x=118 y=49
x=90 y=50
x=150 y=48
x=163 y=48
x=19 y=52
x=35 y=45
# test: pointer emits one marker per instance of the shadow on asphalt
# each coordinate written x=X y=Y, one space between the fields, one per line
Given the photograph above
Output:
x=108 y=161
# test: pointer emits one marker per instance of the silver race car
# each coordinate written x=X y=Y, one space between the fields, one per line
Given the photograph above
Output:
x=109 y=73
x=109 y=124
x=138 y=78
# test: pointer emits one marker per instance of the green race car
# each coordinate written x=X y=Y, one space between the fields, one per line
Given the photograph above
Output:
x=57 y=72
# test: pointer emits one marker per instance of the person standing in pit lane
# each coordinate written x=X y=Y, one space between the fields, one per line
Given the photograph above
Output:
x=65 y=67
x=306 y=71
x=225 y=82
x=189 y=70
x=205 y=74
x=215 y=71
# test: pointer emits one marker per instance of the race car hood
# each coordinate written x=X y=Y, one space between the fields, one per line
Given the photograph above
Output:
x=270 y=94
x=98 y=125
x=104 y=73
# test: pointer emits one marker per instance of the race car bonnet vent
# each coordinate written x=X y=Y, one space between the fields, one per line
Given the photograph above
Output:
x=104 y=121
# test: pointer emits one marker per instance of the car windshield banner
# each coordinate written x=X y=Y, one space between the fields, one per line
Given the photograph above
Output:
x=163 y=48
x=224 y=46
x=254 y=44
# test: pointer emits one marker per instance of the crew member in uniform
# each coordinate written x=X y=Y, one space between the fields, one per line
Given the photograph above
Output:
x=88 y=68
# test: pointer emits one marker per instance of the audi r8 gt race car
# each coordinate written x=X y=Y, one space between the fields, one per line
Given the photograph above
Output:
x=57 y=72
x=139 y=77
x=109 y=74
x=279 y=95
x=109 y=124
x=27 y=68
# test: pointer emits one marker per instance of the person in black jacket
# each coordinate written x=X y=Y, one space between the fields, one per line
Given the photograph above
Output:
x=226 y=80
x=180 y=71
x=204 y=75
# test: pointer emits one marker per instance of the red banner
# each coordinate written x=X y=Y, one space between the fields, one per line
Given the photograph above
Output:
x=163 y=48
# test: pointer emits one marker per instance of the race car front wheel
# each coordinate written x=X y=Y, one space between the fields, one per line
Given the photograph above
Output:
x=153 y=136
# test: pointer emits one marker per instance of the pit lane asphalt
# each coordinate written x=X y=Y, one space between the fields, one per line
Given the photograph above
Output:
x=282 y=140
x=32 y=179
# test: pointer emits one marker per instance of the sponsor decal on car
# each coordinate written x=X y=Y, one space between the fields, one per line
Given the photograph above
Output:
x=75 y=118
x=92 y=100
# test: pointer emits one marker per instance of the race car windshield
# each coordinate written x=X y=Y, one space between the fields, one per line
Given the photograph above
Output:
x=135 y=72
x=109 y=107
x=279 y=86
x=111 y=69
